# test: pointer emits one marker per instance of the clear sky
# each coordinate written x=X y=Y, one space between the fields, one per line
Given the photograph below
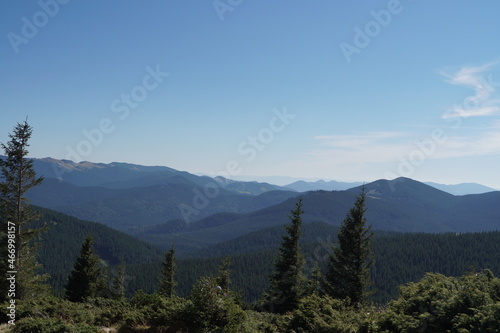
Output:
x=344 y=90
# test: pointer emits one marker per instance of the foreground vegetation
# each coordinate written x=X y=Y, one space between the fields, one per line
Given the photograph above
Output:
x=470 y=303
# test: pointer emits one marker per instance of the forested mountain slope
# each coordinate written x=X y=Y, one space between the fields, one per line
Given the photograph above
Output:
x=401 y=205
x=129 y=207
x=60 y=245
x=400 y=258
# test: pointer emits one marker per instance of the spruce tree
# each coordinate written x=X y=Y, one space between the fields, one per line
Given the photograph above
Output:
x=84 y=279
x=167 y=275
x=118 y=284
x=314 y=282
x=17 y=176
x=224 y=276
x=349 y=265
x=288 y=281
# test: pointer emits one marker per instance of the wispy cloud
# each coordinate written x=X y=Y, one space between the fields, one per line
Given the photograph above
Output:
x=368 y=154
x=370 y=147
x=480 y=79
x=482 y=145
x=388 y=147
x=356 y=141
x=460 y=111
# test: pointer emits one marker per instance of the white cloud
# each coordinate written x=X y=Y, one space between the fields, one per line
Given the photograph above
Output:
x=357 y=153
x=460 y=111
x=482 y=145
x=481 y=81
x=386 y=147
x=371 y=147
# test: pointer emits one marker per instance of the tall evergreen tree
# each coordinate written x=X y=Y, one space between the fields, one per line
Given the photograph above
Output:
x=17 y=176
x=118 y=284
x=348 y=273
x=314 y=282
x=167 y=275
x=288 y=281
x=84 y=279
x=224 y=277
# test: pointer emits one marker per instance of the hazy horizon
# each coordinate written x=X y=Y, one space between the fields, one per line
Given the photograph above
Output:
x=274 y=179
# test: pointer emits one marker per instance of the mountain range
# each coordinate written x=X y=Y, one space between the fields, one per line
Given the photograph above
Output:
x=456 y=189
x=401 y=205
x=162 y=205
x=245 y=219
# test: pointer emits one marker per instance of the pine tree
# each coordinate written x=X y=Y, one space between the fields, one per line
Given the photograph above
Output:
x=348 y=273
x=167 y=275
x=17 y=176
x=288 y=281
x=84 y=279
x=102 y=287
x=314 y=282
x=224 y=276
x=118 y=284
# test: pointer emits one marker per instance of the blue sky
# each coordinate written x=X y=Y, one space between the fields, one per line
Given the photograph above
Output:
x=320 y=89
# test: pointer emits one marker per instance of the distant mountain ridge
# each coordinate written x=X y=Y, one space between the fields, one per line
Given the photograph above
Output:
x=462 y=188
x=401 y=205
x=129 y=207
x=120 y=175
x=203 y=210
x=456 y=189
x=127 y=175
x=123 y=195
x=303 y=186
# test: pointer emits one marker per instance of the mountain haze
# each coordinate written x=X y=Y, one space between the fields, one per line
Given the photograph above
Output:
x=161 y=205
x=125 y=175
x=457 y=189
x=401 y=205
x=303 y=186
x=463 y=188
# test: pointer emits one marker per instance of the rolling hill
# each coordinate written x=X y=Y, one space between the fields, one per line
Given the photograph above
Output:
x=303 y=186
x=161 y=205
x=456 y=189
x=131 y=207
x=463 y=188
x=125 y=175
x=61 y=243
x=401 y=205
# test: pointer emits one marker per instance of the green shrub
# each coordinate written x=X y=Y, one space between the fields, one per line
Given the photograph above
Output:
x=57 y=308
x=325 y=314
x=211 y=309
x=51 y=325
x=446 y=304
x=48 y=325
x=95 y=312
x=264 y=322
